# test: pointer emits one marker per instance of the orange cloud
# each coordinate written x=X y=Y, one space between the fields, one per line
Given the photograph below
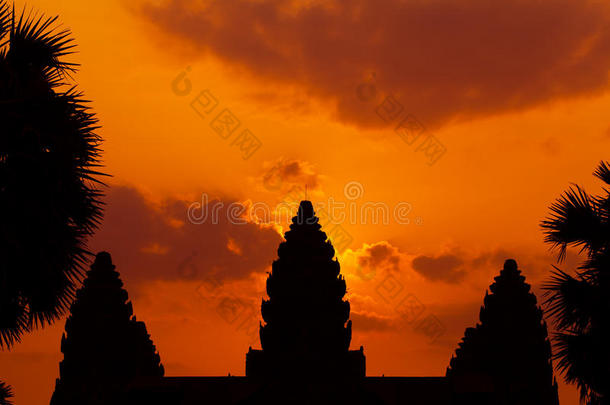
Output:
x=441 y=59
x=365 y=321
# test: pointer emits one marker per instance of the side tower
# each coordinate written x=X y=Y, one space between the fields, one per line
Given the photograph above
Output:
x=507 y=357
x=307 y=329
x=104 y=347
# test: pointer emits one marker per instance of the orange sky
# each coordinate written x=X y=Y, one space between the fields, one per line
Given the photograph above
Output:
x=516 y=93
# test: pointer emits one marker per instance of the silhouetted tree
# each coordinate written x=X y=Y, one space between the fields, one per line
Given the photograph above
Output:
x=49 y=200
x=104 y=346
x=6 y=393
x=510 y=346
x=580 y=304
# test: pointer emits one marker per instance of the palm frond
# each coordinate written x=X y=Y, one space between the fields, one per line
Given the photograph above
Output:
x=570 y=355
x=578 y=304
x=14 y=319
x=6 y=393
x=5 y=20
x=37 y=44
x=577 y=357
x=603 y=172
x=569 y=301
x=574 y=221
x=596 y=268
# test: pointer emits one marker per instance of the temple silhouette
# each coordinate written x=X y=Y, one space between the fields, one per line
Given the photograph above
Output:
x=307 y=328
x=508 y=353
x=305 y=340
x=105 y=348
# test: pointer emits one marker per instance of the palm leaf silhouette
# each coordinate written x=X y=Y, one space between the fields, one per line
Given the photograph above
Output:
x=50 y=186
x=579 y=304
x=6 y=393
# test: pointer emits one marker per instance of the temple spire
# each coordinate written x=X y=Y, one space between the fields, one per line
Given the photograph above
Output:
x=509 y=349
x=104 y=346
x=307 y=328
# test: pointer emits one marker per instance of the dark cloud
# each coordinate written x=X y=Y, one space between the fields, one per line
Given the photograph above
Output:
x=494 y=259
x=442 y=59
x=453 y=266
x=445 y=267
x=283 y=174
x=379 y=255
x=160 y=243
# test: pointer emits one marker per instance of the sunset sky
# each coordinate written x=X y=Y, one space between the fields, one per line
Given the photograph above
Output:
x=515 y=92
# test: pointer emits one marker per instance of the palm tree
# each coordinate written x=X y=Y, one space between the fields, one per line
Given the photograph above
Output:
x=580 y=304
x=49 y=187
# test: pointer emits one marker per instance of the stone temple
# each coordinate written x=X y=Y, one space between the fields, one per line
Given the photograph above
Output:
x=305 y=355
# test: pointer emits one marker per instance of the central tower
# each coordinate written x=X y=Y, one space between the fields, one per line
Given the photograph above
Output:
x=307 y=329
